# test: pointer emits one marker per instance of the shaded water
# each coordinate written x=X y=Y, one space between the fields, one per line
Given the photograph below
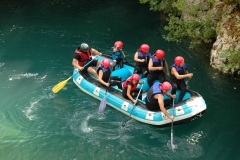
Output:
x=37 y=40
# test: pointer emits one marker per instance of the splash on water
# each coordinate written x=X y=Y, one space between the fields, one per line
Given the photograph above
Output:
x=21 y=76
x=31 y=102
x=29 y=111
x=2 y=64
x=41 y=79
x=84 y=126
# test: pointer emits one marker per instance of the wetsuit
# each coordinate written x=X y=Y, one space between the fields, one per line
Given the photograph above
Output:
x=142 y=67
x=151 y=102
x=179 y=83
x=156 y=74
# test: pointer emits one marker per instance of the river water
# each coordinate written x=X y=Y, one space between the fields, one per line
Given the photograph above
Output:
x=37 y=40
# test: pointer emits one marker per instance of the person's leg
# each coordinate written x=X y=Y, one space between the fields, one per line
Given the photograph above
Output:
x=144 y=72
x=113 y=69
x=137 y=70
x=94 y=73
x=116 y=80
x=174 y=89
x=135 y=93
x=98 y=63
x=167 y=102
x=121 y=63
x=152 y=106
x=183 y=88
x=150 y=80
x=124 y=93
x=117 y=63
x=162 y=77
x=90 y=69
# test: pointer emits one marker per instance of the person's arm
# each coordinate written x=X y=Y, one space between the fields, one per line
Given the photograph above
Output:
x=129 y=87
x=186 y=71
x=150 y=66
x=175 y=73
x=141 y=82
x=167 y=69
x=137 y=59
x=114 y=63
x=115 y=49
x=96 y=52
x=160 y=98
x=75 y=64
x=100 y=75
x=122 y=53
x=170 y=95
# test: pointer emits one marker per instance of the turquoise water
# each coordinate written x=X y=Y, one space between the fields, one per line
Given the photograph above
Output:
x=37 y=40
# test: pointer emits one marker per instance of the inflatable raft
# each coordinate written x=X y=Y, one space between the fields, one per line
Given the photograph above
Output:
x=192 y=106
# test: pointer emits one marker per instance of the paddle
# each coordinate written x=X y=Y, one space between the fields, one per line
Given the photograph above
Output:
x=187 y=81
x=124 y=56
x=133 y=106
x=61 y=84
x=173 y=146
x=102 y=105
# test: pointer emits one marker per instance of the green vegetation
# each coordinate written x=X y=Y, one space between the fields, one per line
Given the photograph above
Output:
x=187 y=20
x=198 y=29
x=232 y=59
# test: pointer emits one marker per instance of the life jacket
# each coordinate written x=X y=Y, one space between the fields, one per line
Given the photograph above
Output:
x=117 y=55
x=180 y=70
x=157 y=63
x=84 y=57
x=134 y=86
x=155 y=89
x=143 y=56
x=106 y=72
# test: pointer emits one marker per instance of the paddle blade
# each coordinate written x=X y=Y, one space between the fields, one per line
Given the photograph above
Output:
x=60 y=85
x=102 y=104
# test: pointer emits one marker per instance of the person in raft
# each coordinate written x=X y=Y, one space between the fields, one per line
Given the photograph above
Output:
x=130 y=89
x=156 y=65
x=155 y=97
x=179 y=72
x=104 y=73
x=82 y=55
x=118 y=54
x=142 y=57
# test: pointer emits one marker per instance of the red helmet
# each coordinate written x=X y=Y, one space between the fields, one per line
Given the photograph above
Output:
x=144 y=48
x=159 y=54
x=106 y=62
x=166 y=86
x=178 y=60
x=118 y=43
x=135 y=77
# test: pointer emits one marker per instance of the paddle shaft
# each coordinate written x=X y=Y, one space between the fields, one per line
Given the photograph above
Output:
x=172 y=127
x=124 y=56
x=86 y=64
x=109 y=80
x=102 y=105
x=135 y=104
x=61 y=84
x=187 y=81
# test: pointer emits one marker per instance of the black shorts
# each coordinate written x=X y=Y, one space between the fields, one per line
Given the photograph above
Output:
x=92 y=64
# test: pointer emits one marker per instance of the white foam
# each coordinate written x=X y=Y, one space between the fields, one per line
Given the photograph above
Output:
x=2 y=64
x=21 y=76
x=84 y=125
x=29 y=110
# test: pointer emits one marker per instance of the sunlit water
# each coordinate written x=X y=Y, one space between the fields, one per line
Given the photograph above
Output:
x=37 y=40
